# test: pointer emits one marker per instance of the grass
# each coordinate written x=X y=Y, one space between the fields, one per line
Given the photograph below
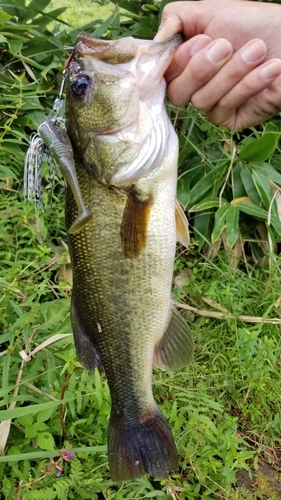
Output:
x=82 y=12
x=224 y=408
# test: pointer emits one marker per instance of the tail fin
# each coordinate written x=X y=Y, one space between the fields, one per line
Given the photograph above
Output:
x=141 y=446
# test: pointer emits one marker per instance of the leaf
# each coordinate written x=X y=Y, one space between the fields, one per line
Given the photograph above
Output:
x=238 y=189
x=220 y=221
x=201 y=226
x=128 y=5
x=232 y=225
x=156 y=494
x=15 y=46
x=248 y=183
x=265 y=191
x=252 y=209
x=183 y=190
x=31 y=409
x=44 y=415
x=206 y=204
x=260 y=149
x=36 y=6
x=6 y=172
x=205 y=184
x=48 y=454
x=4 y=17
x=260 y=213
x=268 y=171
x=45 y=440
x=101 y=30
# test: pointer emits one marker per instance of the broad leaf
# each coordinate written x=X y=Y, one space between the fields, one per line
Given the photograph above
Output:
x=238 y=189
x=260 y=149
x=4 y=17
x=268 y=171
x=265 y=191
x=220 y=221
x=201 y=226
x=205 y=184
x=252 y=209
x=183 y=190
x=206 y=204
x=248 y=183
x=232 y=225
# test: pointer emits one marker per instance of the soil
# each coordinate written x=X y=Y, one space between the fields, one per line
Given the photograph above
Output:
x=265 y=483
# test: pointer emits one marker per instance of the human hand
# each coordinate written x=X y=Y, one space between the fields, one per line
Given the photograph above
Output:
x=234 y=78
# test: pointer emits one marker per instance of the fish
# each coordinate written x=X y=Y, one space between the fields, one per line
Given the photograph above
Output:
x=123 y=318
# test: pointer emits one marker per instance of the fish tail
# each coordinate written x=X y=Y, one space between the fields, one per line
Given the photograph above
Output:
x=139 y=446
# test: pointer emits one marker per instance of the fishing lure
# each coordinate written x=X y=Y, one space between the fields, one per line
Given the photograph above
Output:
x=52 y=140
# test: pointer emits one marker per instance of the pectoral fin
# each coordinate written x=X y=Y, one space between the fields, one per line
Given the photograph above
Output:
x=182 y=226
x=87 y=352
x=134 y=223
x=176 y=347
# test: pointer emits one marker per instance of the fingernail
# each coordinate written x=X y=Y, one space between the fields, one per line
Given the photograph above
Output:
x=270 y=71
x=199 y=44
x=218 y=51
x=254 y=51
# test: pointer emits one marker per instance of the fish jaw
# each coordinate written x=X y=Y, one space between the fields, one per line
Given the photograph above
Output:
x=150 y=57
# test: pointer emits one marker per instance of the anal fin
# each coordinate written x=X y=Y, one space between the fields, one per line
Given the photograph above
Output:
x=87 y=351
x=182 y=225
x=176 y=347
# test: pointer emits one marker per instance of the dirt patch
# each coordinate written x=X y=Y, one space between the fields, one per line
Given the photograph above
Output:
x=264 y=484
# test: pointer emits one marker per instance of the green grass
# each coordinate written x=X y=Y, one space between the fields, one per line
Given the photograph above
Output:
x=224 y=408
x=81 y=12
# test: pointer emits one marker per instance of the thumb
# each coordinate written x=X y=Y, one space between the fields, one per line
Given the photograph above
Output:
x=181 y=17
x=170 y=25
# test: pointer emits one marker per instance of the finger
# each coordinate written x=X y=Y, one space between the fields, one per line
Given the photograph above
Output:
x=200 y=69
x=242 y=62
x=255 y=98
x=188 y=18
x=170 y=23
x=183 y=55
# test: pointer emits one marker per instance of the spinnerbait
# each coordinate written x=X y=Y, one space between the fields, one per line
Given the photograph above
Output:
x=52 y=140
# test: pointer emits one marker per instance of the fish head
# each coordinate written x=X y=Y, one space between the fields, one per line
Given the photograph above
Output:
x=115 y=96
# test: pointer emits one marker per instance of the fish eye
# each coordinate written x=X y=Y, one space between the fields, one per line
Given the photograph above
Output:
x=80 y=85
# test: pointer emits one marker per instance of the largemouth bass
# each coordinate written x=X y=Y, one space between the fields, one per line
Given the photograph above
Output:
x=126 y=153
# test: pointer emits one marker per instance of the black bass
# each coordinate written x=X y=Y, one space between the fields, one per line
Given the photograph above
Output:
x=126 y=153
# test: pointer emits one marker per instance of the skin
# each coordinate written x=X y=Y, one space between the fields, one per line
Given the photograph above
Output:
x=230 y=64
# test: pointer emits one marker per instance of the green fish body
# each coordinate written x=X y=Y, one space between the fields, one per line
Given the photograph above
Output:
x=123 y=319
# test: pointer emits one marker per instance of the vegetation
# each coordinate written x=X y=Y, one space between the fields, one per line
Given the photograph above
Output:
x=225 y=408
